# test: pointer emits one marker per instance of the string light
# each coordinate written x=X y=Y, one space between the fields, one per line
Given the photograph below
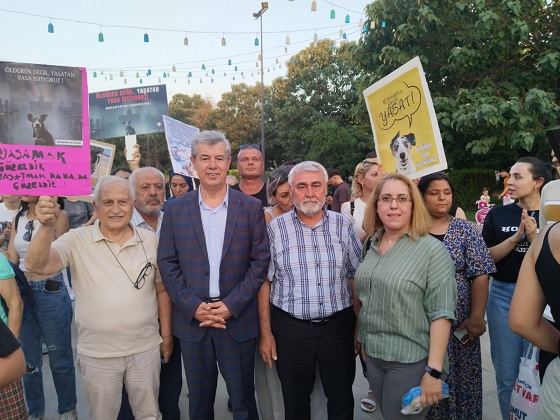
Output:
x=314 y=6
x=174 y=69
x=146 y=37
x=256 y=41
x=223 y=40
x=186 y=40
x=100 y=37
x=287 y=40
x=333 y=14
x=50 y=28
x=347 y=18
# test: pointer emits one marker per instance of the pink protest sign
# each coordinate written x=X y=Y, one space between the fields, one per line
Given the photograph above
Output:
x=44 y=130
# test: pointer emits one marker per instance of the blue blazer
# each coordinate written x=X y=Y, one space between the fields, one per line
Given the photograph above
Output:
x=183 y=263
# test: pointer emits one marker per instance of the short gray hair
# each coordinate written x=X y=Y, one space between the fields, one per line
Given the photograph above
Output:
x=307 y=166
x=105 y=181
x=135 y=174
x=210 y=138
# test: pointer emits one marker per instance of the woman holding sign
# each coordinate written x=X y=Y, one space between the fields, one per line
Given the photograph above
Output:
x=49 y=319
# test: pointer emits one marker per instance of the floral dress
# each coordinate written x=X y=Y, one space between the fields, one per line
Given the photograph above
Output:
x=472 y=258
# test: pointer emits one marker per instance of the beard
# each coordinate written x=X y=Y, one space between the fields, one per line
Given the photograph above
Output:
x=150 y=209
x=309 y=207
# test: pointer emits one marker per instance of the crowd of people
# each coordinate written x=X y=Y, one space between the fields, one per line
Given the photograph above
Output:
x=278 y=286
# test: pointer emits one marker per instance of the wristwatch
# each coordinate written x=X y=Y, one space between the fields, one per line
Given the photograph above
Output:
x=433 y=372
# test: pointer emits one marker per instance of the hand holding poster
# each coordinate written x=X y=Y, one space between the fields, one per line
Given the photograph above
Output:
x=179 y=138
x=404 y=124
x=44 y=142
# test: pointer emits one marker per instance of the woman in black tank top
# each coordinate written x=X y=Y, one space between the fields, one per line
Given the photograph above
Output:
x=539 y=284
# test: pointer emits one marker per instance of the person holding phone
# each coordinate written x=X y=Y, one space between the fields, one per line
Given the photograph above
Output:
x=473 y=264
x=49 y=319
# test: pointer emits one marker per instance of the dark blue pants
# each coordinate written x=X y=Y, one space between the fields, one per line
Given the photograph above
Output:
x=236 y=362
x=301 y=346
x=171 y=383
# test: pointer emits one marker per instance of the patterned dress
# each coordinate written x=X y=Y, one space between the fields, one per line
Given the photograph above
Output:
x=472 y=258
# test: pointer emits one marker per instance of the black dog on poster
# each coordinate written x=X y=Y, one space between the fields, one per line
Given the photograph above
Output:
x=41 y=135
x=128 y=128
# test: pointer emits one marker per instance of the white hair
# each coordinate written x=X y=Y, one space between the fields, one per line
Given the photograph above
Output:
x=307 y=166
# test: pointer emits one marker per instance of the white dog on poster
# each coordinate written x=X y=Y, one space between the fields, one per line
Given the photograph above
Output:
x=401 y=147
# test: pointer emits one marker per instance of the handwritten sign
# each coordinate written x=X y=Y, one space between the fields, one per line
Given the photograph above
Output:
x=404 y=123
x=179 y=137
x=44 y=141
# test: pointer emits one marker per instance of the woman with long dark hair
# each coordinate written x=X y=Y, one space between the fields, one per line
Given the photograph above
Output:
x=508 y=232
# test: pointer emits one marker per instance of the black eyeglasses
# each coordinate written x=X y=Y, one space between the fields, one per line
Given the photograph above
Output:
x=29 y=229
x=146 y=271
x=250 y=146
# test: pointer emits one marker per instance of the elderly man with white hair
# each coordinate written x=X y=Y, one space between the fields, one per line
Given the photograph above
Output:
x=119 y=295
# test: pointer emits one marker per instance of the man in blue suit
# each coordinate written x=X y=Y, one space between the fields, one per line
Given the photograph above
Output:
x=213 y=256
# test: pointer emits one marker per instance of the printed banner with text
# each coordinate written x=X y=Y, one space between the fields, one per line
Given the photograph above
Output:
x=121 y=112
x=404 y=123
x=44 y=130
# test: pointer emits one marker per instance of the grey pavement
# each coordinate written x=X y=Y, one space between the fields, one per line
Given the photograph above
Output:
x=490 y=401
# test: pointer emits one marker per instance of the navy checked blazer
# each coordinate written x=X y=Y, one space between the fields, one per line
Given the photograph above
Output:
x=184 y=267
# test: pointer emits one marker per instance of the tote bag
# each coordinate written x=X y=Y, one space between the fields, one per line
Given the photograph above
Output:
x=527 y=387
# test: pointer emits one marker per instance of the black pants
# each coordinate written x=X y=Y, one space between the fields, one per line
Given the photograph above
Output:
x=170 y=385
x=301 y=346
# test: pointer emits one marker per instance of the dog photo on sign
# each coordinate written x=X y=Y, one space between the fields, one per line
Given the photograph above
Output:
x=401 y=148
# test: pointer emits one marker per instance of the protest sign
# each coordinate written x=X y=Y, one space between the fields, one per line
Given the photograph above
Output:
x=179 y=138
x=404 y=124
x=130 y=111
x=101 y=160
x=44 y=130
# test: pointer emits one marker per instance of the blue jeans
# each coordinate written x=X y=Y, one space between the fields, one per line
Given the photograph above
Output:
x=51 y=320
x=506 y=348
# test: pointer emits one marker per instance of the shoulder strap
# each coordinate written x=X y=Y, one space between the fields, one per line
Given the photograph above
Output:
x=18 y=215
x=352 y=207
x=367 y=245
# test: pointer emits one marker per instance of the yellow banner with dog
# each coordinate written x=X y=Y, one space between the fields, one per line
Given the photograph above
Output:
x=404 y=123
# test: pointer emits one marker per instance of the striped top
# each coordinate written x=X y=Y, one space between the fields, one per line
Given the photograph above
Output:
x=402 y=292
x=138 y=221
x=310 y=266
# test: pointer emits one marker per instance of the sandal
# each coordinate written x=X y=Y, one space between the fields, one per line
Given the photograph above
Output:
x=367 y=404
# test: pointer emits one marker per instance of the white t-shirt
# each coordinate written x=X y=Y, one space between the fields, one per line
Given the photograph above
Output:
x=358 y=217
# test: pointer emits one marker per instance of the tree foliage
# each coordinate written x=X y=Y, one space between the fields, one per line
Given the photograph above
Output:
x=193 y=110
x=313 y=105
x=493 y=66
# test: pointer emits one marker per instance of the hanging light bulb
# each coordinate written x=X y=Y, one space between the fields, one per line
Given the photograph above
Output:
x=50 y=28
x=122 y=74
x=200 y=80
x=101 y=72
x=285 y=49
x=287 y=40
x=149 y=72
x=361 y=22
x=273 y=67
x=252 y=74
x=137 y=75
x=276 y=61
x=188 y=81
x=268 y=70
x=105 y=78
x=315 y=38
x=314 y=6
x=111 y=76
x=383 y=24
x=159 y=79
x=340 y=32
x=186 y=40
x=190 y=74
x=203 y=66
x=256 y=41
x=257 y=64
x=258 y=72
x=213 y=72
x=173 y=69
x=279 y=66
x=344 y=35
x=164 y=75
x=124 y=80
x=347 y=18
x=146 y=37
x=234 y=78
x=365 y=30
x=140 y=81
x=259 y=57
x=212 y=80
x=223 y=40
x=94 y=74
x=333 y=14
x=229 y=62
x=206 y=74
x=235 y=68
x=100 y=36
